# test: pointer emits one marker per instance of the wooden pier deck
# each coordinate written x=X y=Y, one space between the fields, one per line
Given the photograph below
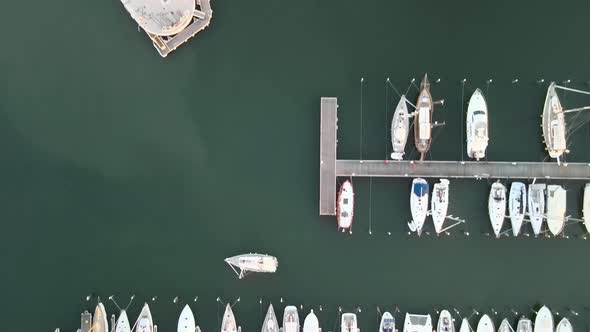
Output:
x=330 y=167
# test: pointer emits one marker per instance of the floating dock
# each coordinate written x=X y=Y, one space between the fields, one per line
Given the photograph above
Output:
x=331 y=167
x=85 y=321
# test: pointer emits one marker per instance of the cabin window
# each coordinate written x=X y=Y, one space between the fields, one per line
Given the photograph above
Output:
x=345 y=201
x=344 y=214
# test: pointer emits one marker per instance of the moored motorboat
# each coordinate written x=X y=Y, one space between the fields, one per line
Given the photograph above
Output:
x=145 y=323
x=439 y=204
x=564 y=325
x=423 y=118
x=417 y=323
x=345 y=206
x=586 y=207
x=246 y=263
x=505 y=326
x=400 y=127
x=544 y=320
x=556 y=205
x=100 y=321
x=311 y=323
x=270 y=323
x=524 y=325
x=485 y=324
x=418 y=204
x=445 y=322
x=387 y=323
x=477 y=126
x=228 y=323
x=517 y=202
x=497 y=207
x=290 y=319
x=553 y=124
x=348 y=323
x=122 y=324
x=186 y=321
x=536 y=206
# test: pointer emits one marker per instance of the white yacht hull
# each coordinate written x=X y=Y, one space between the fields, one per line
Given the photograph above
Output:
x=419 y=203
x=524 y=325
x=544 y=320
x=348 y=323
x=145 y=322
x=564 y=326
x=556 y=205
x=417 y=323
x=290 y=319
x=228 y=324
x=477 y=126
x=270 y=323
x=100 y=320
x=400 y=128
x=122 y=324
x=186 y=321
x=586 y=207
x=517 y=202
x=465 y=326
x=505 y=326
x=445 y=322
x=485 y=324
x=439 y=204
x=311 y=323
x=252 y=263
x=345 y=206
x=497 y=207
x=536 y=206
x=553 y=124
x=387 y=323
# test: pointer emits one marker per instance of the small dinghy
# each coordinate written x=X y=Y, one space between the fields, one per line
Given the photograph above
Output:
x=122 y=324
x=228 y=324
x=348 y=323
x=290 y=319
x=505 y=326
x=465 y=326
x=524 y=325
x=556 y=205
x=586 y=207
x=100 y=321
x=186 y=321
x=477 y=126
x=145 y=323
x=270 y=323
x=417 y=323
x=400 y=128
x=497 y=207
x=564 y=326
x=445 y=322
x=418 y=204
x=387 y=323
x=544 y=320
x=311 y=323
x=485 y=324
x=517 y=206
x=536 y=204
x=439 y=204
x=345 y=206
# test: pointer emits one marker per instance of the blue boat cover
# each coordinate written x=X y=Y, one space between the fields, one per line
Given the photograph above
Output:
x=420 y=189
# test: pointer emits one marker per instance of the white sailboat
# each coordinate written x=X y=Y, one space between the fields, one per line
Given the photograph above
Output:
x=418 y=204
x=228 y=324
x=477 y=126
x=423 y=118
x=536 y=205
x=556 y=205
x=186 y=321
x=564 y=326
x=586 y=207
x=387 y=323
x=517 y=202
x=348 y=323
x=100 y=321
x=122 y=324
x=290 y=319
x=544 y=320
x=311 y=323
x=270 y=323
x=345 y=206
x=524 y=325
x=485 y=324
x=497 y=207
x=465 y=327
x=417 y=323
x=445 y=322
x=400 y=128
x=505 y=326
x=439 y=204
x=252 y=263
x=145 y=322
x=553 y=124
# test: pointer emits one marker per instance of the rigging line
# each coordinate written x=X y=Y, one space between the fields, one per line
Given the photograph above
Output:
x=370 y=204
x=409 y=86
x=572 y=90
x=462 y=111
x=361 y=124
x=394 y=89
x=386 y=118
x=577 y=109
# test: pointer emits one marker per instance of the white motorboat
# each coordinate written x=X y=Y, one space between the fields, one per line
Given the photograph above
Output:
x=553 y=124
x=465 y=327
x=186 y=321
x=586 y=207
x=556 y=205
x=400 y=128
x=423 y=118
x=524 y=325
x=517 y=202
x=100 y=321
x=418 y=204
x=564 y=326
x=290 y=319
x=477 y=126
x=270 y=323
x=439 y=204
x=417 y=323
x=345 y=206
x=228 y=324
x=348 y=323
x=145 y=322
x=122 y=324
x=485 y=324
x=445 y=322
x=497 y=207
x=252 y=263
x=505 y=326
x=536 y=206
x=387 y=323
x=544 y=320
x=311 y=323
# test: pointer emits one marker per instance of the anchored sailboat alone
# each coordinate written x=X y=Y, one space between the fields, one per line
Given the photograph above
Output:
x=252 y=263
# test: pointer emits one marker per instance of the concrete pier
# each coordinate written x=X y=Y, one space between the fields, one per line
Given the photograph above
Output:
x=331 y=167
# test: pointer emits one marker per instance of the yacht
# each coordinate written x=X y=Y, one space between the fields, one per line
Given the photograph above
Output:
x=186 y=321
x=100 y=321
x=544 y=320
x=517 y=206
x=564 y=326
x=586 y=207
x=445 y=322
x=423 y=118
x=290 y=319
x=387 y=323
x=345 y=206
x=270 y=323
x=311 y=323
x=439 y=204
x=556 y=205
x=122 y=324
x=497 y=207
x=524 y=325
x=228 y=324
x=417 y=323
x=537 y=206
x=400 y=127
x=252 y=263
x=418 y=204
x=465 y=326
x=145 y=322
x=348 y=323
x=553 y=124
x=477 y=126
x=505 y=326
x=485 y=324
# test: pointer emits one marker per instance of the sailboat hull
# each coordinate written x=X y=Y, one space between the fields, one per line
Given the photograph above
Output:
x=145 y=322
x=423 y=119
x=517 y=203
x=228 y=324
x=536 y=206
x=586 y=207
x=485 y=324
x=400 y=126
x=556 y=205
x=419 y=203
x=439 y=204
x=497 y=207
x=186 y=321
x=544 y=320
x=553 y=124
x=100 y=320
x=311 y=323
x=270 y=321
x=122 y=324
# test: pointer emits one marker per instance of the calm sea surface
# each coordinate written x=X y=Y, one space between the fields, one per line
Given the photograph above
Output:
x=125 y=173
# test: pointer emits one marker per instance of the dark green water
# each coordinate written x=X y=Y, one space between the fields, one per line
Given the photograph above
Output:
x=127 y=173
